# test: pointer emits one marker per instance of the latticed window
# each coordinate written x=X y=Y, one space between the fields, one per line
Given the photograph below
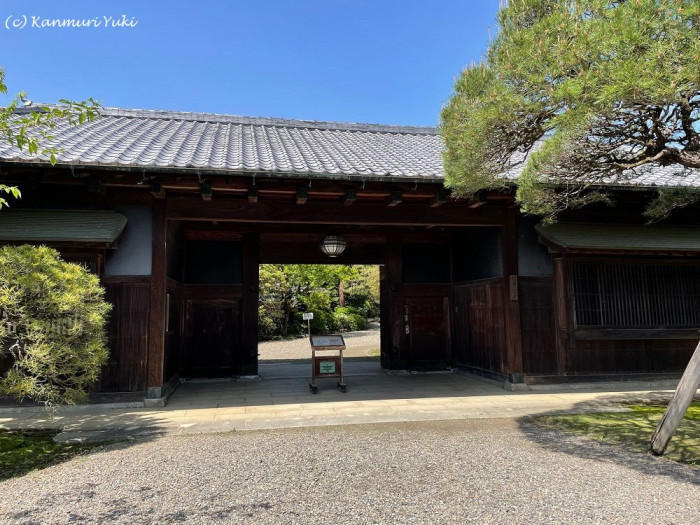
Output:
x=614 y=295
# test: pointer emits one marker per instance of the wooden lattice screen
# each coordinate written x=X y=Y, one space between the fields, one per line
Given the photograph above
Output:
x=629 y=295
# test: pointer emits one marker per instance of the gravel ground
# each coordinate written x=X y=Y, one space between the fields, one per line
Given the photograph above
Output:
x=480 y=471
x=358 y=344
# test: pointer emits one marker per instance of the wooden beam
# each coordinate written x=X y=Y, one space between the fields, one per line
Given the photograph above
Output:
x=94 y=185
x=479 y=199
x=439 y=199
x=252 y=194
x=302 y=194
x=350 y=197
x=205 y=190
x=396 y=198
x=320 y=212
x=232 y=184
x=157 y=190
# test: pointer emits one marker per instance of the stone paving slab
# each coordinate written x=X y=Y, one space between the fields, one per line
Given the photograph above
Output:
x=375 y=398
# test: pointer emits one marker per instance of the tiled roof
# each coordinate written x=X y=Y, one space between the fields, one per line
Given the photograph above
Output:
x=173 y=140
x=98 y=226
x=646 y=176
x=169 y=140
x=622 y=237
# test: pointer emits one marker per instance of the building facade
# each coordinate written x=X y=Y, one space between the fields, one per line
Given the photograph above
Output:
x=175 y=212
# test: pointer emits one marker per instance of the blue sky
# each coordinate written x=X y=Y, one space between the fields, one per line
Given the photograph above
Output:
x=392 y=62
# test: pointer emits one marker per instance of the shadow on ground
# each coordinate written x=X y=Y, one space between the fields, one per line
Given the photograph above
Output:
x=288 y=383
x=83 y=424
x=575 y=444
x=40 y=438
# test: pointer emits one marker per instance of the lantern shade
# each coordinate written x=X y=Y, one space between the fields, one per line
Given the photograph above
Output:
x=333 y=245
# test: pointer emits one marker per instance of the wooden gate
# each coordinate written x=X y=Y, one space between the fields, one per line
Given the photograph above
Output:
x=213 y=338
x=427 y=327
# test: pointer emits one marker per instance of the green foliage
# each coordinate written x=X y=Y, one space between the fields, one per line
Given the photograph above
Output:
x=318 y=302
x=362 y=291
x=349 y=319
x=52 y=327
x=32 y=129
x=598 y=87
x=670 y=199
x=633 y=429
x=27 y=450
x=9 y=190
x=288 y=290
x=267 y=327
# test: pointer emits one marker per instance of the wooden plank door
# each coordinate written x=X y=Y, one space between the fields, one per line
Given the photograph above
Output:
x=427 y=324
x=213 y=341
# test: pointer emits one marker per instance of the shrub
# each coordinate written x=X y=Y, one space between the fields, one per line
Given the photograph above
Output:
x=348 y=319
x=319 y=302
x=52 y=326
x=267 y=327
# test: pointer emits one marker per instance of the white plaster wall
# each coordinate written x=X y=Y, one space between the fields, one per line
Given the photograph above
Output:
x=133 y=253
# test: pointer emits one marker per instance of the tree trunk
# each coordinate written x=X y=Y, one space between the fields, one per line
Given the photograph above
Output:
x=341 y=293
x=685 y=392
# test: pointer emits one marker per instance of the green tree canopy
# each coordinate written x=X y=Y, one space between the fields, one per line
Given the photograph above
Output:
x=52 y=326
x=31 y=127
x=589 y=89
x=288 y=289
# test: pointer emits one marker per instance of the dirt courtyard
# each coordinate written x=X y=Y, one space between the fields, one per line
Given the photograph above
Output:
x=363 y=343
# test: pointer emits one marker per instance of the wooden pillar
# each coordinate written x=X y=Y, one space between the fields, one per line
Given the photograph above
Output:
x=393 y=354
x=511 y=301
x=561 y=318
x=156 y=326
x=249 y=304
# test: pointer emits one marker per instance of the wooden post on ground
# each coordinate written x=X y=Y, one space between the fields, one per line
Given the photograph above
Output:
x=685 y=392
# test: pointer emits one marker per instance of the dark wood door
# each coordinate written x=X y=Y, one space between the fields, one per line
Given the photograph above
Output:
x=426 y=322
x=213 y=339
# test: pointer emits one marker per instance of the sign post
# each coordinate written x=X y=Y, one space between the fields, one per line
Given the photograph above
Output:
x=308 y=316
x=327 y=360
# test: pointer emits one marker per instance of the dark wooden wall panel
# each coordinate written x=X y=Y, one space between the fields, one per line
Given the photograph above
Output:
x=537 y=324
x=630 y=356
x=128 y=335
x=479 y=325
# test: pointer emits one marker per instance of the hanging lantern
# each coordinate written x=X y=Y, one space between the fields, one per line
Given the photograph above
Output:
x=333 y=245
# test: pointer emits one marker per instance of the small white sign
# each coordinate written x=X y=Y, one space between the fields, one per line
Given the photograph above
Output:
x=307 y=316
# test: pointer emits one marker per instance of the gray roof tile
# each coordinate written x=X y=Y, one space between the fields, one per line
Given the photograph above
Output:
x=176 y=140
x=165 y=139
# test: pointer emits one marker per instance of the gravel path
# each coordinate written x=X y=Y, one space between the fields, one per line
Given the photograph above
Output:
x=363 y=343
x=480 y=471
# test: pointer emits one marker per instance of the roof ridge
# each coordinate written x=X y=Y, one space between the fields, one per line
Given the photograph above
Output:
x=259 y=121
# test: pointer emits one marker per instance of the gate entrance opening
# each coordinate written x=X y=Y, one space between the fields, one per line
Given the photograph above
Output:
x=342 y=298
x=236 y=294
